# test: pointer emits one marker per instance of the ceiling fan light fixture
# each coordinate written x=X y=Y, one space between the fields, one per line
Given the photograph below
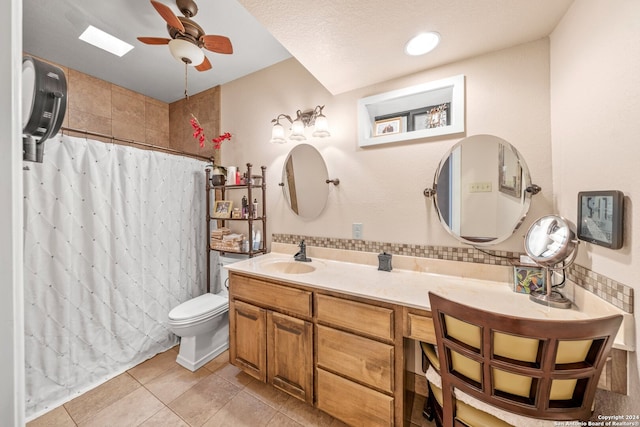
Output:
x=422 y=43
x=187 y=52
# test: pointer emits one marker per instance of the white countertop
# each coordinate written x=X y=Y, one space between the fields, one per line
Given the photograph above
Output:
x=410 y=288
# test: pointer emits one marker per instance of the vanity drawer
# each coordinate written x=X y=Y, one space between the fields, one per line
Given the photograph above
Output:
x=281 y=298
x=418 y=325
x=356 y=316
x=353 y=403
x=362 y=359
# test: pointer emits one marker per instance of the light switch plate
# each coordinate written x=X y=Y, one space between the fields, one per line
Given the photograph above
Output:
x=480 y=187
x=356 y=230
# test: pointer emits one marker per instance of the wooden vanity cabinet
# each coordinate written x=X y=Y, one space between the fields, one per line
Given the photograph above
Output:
x=341 y=354
x=355 y=361
x=270 y=334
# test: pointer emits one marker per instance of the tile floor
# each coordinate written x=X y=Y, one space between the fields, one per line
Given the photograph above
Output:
x=159 y=392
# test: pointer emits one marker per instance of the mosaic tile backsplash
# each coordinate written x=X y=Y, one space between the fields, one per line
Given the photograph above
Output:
x=613 y=292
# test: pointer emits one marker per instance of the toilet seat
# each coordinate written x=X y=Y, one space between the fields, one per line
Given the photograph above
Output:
x=195 y=309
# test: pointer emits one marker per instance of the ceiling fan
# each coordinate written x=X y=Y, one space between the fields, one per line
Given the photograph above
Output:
x=187 y=37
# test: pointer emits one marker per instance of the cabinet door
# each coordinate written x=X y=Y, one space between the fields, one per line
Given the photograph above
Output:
x=248 y=339
x=290 y=357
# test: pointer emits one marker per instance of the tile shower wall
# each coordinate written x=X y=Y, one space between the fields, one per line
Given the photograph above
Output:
x=613 y=292
x=205 y=106
x=98 y=106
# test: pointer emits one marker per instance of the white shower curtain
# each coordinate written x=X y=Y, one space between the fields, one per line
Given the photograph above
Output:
x=114 y=237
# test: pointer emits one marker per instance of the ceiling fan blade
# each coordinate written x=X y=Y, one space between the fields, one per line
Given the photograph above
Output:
x=206 y=65
x=168 y=15
x=218 y=44
x=154 y=40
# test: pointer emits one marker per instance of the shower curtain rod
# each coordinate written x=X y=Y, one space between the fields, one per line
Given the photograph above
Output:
x=131 y=141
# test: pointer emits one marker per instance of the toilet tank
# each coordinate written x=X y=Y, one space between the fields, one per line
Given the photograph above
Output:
x=222 y=274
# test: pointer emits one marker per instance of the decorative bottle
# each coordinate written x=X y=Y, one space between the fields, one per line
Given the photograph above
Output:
x=255 y=208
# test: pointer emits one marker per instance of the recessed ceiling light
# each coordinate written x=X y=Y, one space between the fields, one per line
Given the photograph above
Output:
x=422 y=43
x=105 y=41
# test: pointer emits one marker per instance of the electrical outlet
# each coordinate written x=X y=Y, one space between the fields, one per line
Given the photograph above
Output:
x=480 y=187
x=356 y=230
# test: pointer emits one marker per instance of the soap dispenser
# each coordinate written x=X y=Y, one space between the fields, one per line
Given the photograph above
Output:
x=384 y=262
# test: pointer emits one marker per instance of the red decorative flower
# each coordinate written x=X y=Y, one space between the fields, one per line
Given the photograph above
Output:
x=198 y=131
x=199 y=134
x=218 y=141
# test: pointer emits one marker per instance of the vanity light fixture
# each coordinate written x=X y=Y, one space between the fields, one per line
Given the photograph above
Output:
x=422 y=43
x=307 y=118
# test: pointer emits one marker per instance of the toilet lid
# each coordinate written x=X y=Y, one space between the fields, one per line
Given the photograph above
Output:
x=199 y=306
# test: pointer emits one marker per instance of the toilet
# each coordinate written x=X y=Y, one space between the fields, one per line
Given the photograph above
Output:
x=202 y=323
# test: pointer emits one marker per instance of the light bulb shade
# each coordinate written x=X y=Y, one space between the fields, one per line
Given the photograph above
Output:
x=297 y=131
x=321 y=127
x=187 y=52
x=277 y=134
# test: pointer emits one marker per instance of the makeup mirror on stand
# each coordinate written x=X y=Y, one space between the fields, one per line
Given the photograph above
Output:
x=551 y=243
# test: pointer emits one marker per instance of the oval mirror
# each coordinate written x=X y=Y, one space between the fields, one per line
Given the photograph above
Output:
x=483 y=190
x=304 y=181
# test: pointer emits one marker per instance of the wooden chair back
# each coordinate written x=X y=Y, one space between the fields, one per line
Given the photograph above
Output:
x=546 y=369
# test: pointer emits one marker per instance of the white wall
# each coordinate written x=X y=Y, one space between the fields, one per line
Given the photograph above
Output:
x=11 y=323
x=583 y=90
x=507 y=95
x=595 y=127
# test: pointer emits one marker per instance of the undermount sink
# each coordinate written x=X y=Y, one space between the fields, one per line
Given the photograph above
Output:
x=288 y=267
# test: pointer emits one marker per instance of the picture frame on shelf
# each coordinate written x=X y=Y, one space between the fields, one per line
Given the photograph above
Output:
x=449 y=92
x=437 y=116
x=418 y=119
x=222 y=209
x=430 y=117
x=389 y=126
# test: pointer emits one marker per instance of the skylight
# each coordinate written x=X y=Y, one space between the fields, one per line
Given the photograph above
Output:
x=105 y=41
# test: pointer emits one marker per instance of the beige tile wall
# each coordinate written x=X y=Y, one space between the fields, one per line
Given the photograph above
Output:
x=205 y=106
x=98 y=106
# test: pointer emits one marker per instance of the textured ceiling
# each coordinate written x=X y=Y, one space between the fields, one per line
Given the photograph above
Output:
x=352 y=44
x=345 y=44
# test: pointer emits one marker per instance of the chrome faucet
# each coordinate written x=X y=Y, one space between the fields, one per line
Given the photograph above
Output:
x=302 y=254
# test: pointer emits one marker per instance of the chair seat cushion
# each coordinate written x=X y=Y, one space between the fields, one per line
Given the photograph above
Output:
x=468 y=414
x=479 y=414
x=431 y=352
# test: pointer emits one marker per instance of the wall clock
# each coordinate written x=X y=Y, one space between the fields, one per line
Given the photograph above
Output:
x=600 y=216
